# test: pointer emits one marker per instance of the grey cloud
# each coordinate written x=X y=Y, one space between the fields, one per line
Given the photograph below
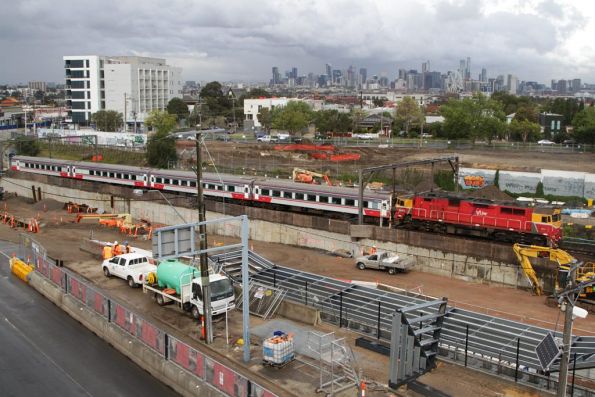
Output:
x=237 y=39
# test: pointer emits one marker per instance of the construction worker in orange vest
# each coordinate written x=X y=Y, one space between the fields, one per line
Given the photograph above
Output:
x=107 y=252
x=117 y=249
x=373 y=250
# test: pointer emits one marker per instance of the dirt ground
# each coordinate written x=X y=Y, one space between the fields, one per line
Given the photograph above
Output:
x=62 y=238
x=263 y=157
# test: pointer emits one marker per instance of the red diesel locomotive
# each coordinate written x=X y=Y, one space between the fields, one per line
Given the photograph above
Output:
x=499 y=220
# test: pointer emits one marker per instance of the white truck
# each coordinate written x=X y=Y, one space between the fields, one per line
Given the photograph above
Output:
x=133 y=267
x=385 y=261
x=189 y=297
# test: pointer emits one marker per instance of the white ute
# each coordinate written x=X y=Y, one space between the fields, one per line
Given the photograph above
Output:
x=133 y=267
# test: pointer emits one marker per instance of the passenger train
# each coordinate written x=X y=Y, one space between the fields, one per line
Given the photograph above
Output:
x=267 y=192
x=437 y=212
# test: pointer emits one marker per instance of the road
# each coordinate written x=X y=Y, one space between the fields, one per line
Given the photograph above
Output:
x=46 y=352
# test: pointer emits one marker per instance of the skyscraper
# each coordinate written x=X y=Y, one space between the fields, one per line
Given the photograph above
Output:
x=468 y=68
x=363 y=75
x=329 y=71
x=276 y=75
x=294 y=73
x=484 y=75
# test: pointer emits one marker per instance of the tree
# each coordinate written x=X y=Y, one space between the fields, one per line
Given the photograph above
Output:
x=161 y=122
x=265 y=118
x=357 y=115
x=161 y=146
x=177 y=107
x=107 y=120
x=584 y=126
x=497 y=179
x=294 y=117
x=407 y=114
x=27 y=145
x=473 y=118
x=524 y=130
x=217 y=103
x=378 y=102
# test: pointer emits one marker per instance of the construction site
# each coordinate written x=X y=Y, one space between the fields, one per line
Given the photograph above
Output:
x=73 y=233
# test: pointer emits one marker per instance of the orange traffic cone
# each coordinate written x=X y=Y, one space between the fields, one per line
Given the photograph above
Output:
x=362 y=389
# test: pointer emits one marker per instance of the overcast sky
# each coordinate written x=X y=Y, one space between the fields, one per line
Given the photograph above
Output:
x=241 y=40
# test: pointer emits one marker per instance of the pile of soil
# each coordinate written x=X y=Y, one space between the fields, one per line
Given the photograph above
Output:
x=489 y=192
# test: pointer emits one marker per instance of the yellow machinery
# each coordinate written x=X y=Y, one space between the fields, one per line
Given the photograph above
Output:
x=305 y=176
x=524 y=252
x=564 y=260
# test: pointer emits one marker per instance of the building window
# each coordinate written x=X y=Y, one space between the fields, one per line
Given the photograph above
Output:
x=87 y=63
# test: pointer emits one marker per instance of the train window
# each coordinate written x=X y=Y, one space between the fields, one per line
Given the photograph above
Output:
x=477 y=205
x=336 y=200
x=111 y=174
x=505 y=210
x=276 y=193
x=311 y=197
x=350 y=202
x=119 y=176
x=556 y=217
x=192 y=183
x=544 y=218
x=323 y=199
x=299 y=196
x=133 y=177
x=518 y=212
x=91 y=172
x=427 y=199
x=265 y=192
x=126 y=176
x=367 y=204
x=158 y=180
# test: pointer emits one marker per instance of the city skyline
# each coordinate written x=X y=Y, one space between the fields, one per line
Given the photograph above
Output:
x=537 y=40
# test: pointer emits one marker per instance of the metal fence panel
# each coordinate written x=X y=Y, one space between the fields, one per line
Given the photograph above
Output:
x=138 y=327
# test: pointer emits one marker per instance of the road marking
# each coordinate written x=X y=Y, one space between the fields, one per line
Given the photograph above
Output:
x=28 y=340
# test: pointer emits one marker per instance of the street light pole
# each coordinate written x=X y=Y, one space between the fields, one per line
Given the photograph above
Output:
x=567 y=335
x=204 y=265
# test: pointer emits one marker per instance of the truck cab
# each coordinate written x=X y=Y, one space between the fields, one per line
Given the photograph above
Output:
x=133 y=268
x=222 y=295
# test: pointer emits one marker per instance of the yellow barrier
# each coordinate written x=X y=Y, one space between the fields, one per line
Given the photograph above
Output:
x=20 y=269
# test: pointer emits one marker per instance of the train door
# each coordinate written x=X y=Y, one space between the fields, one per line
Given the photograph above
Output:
x=256 y=192
x=68 y=172
x=144 y=180
x=15 y=164
x=384 y=209
x=152 y=181
x=247 y=192
x=73 y=174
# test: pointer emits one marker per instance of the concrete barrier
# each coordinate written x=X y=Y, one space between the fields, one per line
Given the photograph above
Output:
x=298 y=312
x=167 y=372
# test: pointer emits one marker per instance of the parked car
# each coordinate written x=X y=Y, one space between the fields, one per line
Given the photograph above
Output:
x=545 y=142
x=384 y=261
x=132 y=267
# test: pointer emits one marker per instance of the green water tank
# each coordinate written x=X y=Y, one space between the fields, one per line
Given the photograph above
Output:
x=172 y=273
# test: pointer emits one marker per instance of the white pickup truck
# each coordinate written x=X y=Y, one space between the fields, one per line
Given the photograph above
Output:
x=133 y=267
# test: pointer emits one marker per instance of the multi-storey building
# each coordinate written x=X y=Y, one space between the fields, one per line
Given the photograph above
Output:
x=38 y=86
x=133 y=86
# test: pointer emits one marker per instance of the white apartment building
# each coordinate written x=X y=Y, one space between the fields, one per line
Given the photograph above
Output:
x=131 y=85
x=253 y=106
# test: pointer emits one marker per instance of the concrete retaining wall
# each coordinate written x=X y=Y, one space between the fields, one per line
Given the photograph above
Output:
x=167 y=372
x=439 y=254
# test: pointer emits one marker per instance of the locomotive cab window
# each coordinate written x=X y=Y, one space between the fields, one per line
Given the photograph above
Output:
x=518 y=212
x=556 y=217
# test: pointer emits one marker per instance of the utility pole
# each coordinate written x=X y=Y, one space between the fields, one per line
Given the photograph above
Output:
x=202 y=230
x=566 y=337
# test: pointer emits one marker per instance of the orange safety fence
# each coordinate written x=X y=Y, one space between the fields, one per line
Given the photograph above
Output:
x=345 y=157
x=319 y=156
x=305 y=147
